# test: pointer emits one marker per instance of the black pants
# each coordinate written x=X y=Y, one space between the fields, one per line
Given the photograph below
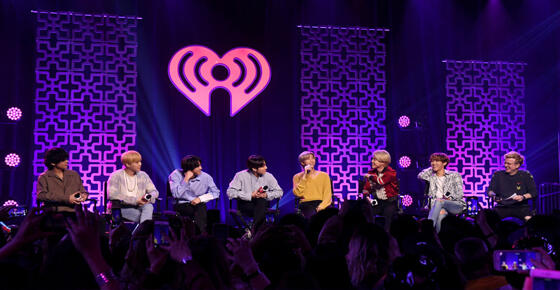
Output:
x=255 y=208
x=387 y=209
x=519 y=212
x=309 y=208
x=198 y=212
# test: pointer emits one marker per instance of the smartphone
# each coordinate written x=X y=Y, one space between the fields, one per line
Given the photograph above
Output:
x=515 y=260
x=161 y=233
x=545 y=279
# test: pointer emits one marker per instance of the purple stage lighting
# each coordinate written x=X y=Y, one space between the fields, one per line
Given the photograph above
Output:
x=405 y=161
x=404 y=121
x=406 y=200
x=10 y=202
x=12 y=160
x=14 y=113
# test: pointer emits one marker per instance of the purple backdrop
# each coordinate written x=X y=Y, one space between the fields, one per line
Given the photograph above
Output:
x=485 y=119
x=343 y=91
x=85 y=98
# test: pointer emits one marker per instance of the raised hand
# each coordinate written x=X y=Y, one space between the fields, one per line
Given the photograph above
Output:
x=84 y=232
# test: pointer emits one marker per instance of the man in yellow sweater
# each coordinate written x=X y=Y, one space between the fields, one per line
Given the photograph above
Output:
x=313 y=187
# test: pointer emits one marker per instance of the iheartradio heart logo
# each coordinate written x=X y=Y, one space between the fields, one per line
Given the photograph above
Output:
x=191 y=72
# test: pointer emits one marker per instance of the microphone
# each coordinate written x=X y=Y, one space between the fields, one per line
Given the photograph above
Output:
x=77 y=195
x=263 y=189
x=147 y=196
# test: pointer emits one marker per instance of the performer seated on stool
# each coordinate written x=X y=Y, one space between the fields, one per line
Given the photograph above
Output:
x=133 y=189
x=446 y=189
x=312 y=186
x=253 y=188
x=59 y=186
x=193 y=188
x=512 y=188
x=381 y=187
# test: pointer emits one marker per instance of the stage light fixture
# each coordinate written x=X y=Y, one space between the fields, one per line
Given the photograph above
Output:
x=10 y=202
x=404 y=121
x=12 y=160
x=405 y=161
x=406 y=200
x=14 y=113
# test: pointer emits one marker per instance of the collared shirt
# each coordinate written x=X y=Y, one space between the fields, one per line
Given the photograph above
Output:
x=452 y=184
x=201 y=186
x=244 y=183
x=117 y=187
x=51 y=188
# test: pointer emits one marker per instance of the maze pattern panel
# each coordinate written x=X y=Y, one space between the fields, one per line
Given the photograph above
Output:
x=485 y=119
x=343 y=106
x=85 y=98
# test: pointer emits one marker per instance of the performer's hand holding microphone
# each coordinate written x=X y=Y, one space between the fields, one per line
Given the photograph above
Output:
x=307 y=170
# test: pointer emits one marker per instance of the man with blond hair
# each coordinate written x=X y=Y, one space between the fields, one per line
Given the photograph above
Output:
x=133 y=189
x=381 y=187
x=313 y=187
x=512 y=188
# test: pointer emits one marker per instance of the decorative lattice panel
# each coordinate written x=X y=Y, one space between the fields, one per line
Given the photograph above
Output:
x=85 y=99
x=485 y=119
x=343 y=106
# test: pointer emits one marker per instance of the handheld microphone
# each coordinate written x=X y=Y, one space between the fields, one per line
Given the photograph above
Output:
x=448 y=194
x=147 y=196
x=263 y=189
x=77 y=195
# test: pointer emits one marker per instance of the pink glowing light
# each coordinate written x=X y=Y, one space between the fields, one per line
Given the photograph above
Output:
x=14 y=113
x=405 y=161
x=195 y=81
x=10 y=202
x=406 y=200
x=12 y=160
x=404 y=121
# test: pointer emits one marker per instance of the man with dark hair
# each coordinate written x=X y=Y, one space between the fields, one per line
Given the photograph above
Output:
x=253 y=188
x=59 y=185
x=512 y=188
x=446 y=189
x=193 y=188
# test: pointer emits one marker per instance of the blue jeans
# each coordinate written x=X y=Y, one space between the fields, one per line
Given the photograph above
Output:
x=449 y=206
x=138 y=215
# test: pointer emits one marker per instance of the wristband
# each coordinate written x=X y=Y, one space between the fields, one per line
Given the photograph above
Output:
x=105 y=278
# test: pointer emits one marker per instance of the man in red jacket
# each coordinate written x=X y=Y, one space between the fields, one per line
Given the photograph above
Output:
x=381 y=186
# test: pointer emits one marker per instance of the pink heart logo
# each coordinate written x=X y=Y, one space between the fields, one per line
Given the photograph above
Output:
x=190 y=71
